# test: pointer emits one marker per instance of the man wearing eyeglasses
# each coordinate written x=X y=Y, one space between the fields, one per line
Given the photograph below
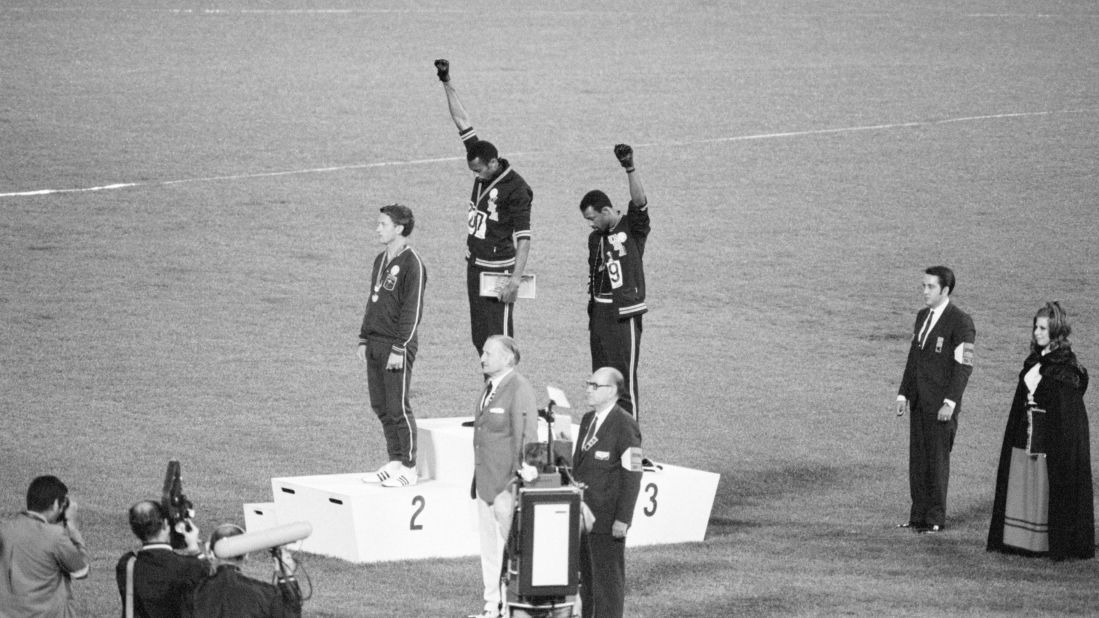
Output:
x=607 y=463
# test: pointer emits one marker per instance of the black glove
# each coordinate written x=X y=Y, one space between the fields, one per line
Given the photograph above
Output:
x=442 y=69
x=625 y=155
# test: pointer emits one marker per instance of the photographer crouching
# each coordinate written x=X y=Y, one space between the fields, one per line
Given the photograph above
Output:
x=228 y=592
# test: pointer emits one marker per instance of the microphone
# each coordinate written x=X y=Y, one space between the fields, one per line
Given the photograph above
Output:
x=233 y=546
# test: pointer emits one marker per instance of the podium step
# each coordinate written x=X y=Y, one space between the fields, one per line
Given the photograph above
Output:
x=260 y=516
x=673 y=506
x=362 y=522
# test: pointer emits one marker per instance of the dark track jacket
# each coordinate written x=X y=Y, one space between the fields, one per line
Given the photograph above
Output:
x=616 y=269
x=498 y=216
x=396 y=302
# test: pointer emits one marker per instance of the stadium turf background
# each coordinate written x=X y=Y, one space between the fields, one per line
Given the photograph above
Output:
x=804 y=162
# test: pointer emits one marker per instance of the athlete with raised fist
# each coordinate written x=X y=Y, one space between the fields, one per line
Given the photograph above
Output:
x=498 y=224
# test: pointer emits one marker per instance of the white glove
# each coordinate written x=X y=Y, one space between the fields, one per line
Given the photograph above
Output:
x=528 y=472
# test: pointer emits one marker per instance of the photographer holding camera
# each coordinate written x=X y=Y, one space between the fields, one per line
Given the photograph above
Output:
x=41 y=551
x=154 y=581
x=228 y=592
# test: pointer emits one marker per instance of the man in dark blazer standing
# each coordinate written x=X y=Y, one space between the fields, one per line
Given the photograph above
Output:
x=607 y=463
x=505 y=421
x=940 y=361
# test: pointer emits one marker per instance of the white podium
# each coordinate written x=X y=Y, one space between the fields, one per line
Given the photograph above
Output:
x=673 y=506
x=436 y=518
x=445 y=448
x=365 y=522
x=260 y=516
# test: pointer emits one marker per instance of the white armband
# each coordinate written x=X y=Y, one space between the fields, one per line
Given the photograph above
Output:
x=963 y=354
x=631 y=459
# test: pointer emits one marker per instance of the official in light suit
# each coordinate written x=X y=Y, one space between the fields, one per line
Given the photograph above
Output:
x=607 y=463
x=506 y=419
x=940 y=361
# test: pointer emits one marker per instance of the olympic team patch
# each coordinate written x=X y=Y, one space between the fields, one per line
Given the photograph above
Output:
x=391 y=278
x=618 y=241
x=493 y=196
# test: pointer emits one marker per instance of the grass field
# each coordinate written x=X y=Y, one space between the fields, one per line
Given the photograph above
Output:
x=188 y=193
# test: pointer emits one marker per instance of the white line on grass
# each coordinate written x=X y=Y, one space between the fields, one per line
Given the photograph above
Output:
x=1019 y=15
x=874 y=127
x=355 y=11
x=712 y=140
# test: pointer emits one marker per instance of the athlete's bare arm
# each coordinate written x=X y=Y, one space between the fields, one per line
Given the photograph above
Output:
x=458 y=111
x=637 y=191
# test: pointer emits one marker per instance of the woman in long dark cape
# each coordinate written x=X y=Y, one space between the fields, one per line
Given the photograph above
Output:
x=1061 y=440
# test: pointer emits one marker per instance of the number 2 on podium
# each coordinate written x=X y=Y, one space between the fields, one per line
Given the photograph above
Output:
x=419 y=503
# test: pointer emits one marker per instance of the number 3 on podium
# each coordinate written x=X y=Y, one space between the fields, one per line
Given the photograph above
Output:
x=652 y=490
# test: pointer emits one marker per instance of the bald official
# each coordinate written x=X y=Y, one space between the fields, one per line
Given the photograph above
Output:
x=607 y=463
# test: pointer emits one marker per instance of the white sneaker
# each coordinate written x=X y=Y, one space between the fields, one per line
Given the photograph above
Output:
x=383 y=473
x=405 y=477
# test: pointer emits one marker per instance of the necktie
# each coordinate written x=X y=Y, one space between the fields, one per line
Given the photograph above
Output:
x=586 y=444
x=926 y=327
x=488 y=395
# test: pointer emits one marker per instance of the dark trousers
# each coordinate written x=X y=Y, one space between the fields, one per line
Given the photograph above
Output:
x=389 y=399
x=617 y=343
x=487 y=315
x=602 y=576
x=929 y=444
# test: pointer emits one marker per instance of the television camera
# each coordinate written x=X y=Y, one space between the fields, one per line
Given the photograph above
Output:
x=180 y=509
x=175 y=504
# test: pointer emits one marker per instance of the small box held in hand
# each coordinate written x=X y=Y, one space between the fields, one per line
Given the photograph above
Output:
x=492 y=282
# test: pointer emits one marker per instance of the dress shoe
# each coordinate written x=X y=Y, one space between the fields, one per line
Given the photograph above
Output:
x=912 y=525
x=932 y=529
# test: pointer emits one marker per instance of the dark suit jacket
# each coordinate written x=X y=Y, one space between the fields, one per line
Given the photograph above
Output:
x=500 y=430
x=162 y=580
x=229 y=594
x=611 y=488
x=932 y=374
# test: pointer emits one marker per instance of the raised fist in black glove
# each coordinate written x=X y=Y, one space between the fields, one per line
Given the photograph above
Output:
x=442 y=69
x=625 y=155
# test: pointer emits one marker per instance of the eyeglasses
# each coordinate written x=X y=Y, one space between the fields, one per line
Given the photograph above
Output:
x=596 y=385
